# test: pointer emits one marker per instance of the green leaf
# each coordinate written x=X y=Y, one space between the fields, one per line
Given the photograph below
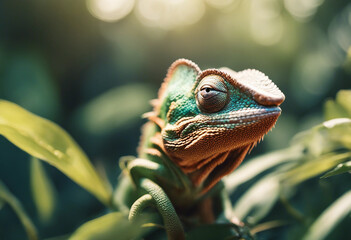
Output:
x=329 y=219
x=341 y=168
x=313 y=168
x=339 y=131
x=258 y=200
x=333 y=110
x=110 y=226
x=313 y=140
x=347 y=63
x=343 y=98
x=255 y=166
x=42 y=190
x=267 y=226
x=7 y=197
x=109 y=111
x=326 y=137
x=340 y=108
x=47 y=141
x=337 y=122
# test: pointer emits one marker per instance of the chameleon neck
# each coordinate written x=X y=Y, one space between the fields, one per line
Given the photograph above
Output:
x=179 y=185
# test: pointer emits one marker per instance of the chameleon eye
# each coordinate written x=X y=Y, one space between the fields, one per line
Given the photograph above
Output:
x=211 y=94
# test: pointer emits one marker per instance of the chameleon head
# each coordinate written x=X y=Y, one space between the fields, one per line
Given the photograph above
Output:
x=210 y=119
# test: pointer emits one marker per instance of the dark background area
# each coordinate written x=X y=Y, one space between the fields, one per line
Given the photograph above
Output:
x=58 y=57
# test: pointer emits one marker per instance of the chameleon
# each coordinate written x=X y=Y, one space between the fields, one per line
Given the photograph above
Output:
x=202 y=126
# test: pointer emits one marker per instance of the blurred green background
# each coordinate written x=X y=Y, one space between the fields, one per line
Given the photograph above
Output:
x=92 y=66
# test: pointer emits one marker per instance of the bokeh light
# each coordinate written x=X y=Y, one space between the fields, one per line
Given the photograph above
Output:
x=266 y=22
x=169 y=14
x=302 y=9
x=318 y=67
x=110 y=10
x=222 y=4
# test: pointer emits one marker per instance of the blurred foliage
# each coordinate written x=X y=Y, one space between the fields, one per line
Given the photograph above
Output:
x=86 y=63
x=43 y=191
x=47 y=141
x=98 y=120
x=6 y=197
x=330 y=218
x=109 y=226
x=340 y=108
x=348 y=61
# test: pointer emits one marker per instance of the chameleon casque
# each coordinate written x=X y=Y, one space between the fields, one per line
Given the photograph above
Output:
x=201 y=128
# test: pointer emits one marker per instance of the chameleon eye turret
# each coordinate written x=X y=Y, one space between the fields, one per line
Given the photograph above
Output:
x=211 y=94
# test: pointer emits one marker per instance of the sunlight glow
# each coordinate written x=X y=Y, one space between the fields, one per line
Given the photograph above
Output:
x=302 y=9
x=169 y=14
x=110 y=10
x=266 y=22
x=220 y=4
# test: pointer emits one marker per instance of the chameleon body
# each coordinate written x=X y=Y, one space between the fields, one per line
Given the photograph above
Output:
x=202 y=126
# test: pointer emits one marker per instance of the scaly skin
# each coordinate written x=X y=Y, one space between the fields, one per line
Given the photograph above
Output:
x=202 y=126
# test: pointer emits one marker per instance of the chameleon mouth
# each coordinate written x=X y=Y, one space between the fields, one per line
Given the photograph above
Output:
x=247 y=115
x=238 y=119
x=218 y=133
x=260 y=123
